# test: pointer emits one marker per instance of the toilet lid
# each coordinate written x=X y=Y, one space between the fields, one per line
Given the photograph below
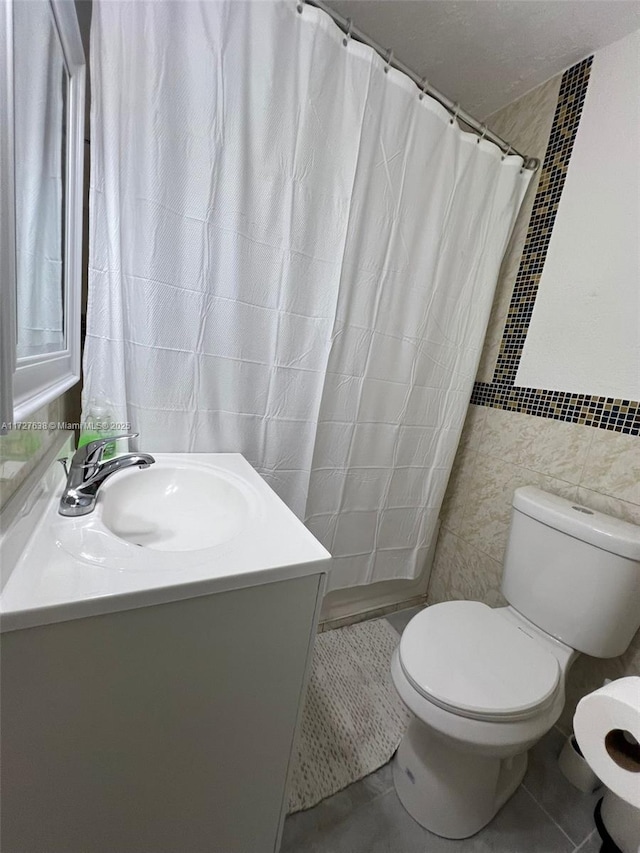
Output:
x=467 y=658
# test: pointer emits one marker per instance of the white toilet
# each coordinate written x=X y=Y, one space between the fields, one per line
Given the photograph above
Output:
x=485 y=684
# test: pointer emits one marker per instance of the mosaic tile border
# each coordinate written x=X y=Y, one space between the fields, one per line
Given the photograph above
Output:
x=501 y=393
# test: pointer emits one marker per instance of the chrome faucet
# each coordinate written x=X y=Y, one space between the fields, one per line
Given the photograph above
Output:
x=88 y=472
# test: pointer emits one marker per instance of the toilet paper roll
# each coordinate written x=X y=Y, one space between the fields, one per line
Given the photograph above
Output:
x=607 y=728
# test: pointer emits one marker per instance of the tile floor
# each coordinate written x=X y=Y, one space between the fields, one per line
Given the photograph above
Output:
x=545 y=815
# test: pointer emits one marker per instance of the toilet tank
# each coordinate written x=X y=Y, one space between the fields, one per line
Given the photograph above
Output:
x=573 y=572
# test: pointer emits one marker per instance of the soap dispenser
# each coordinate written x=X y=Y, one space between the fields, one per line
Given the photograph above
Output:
x=97 y=424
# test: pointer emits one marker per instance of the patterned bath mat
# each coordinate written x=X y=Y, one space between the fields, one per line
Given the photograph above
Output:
x=353 y=719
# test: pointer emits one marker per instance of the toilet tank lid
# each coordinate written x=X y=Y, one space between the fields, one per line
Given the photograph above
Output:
x=611 y=534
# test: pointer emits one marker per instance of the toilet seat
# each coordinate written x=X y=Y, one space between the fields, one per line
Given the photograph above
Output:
x=468 y=659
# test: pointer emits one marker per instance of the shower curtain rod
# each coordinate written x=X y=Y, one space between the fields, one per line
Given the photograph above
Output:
x=346 y=25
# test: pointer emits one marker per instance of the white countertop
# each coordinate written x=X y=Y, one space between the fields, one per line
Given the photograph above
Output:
x=45 y=583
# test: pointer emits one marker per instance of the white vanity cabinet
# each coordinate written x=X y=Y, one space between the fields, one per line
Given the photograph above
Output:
x=144 y=714
x=166 y=729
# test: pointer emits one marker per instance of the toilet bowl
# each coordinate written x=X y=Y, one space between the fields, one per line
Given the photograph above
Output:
x=484 y=685
x=465 y=751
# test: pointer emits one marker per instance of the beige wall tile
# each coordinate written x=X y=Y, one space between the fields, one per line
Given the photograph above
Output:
x=473 y=427
x=487 y=510
x=485 y=521
x=526 y=123
x=443 y=571
x=509 y=435
x=452 y=509
x=610 y=506
x=560 y=449
x=539 y=444
x=613 y=466
x=461 y=571
x=453 y=506
x=491 y=348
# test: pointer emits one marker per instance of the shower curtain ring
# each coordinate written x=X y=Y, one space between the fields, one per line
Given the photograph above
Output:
x=389 y=60
x=483 y=128
x=345 y=40
x=425 y=86
x=454 y=117
x=300 y=6
x=506 y=153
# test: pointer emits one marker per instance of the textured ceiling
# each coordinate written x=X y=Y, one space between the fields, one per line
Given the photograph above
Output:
x=487 y=53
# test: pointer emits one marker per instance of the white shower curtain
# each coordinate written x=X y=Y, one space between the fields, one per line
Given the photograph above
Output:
x=292 y=256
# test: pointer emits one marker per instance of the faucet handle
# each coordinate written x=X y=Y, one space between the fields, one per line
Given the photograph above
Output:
x=91 y=453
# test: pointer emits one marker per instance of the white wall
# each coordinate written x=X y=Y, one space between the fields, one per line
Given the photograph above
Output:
x=584 y=335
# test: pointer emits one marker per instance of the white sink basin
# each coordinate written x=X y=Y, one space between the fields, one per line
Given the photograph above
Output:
x=169 y=517
x=192 y=524
x=174 y=508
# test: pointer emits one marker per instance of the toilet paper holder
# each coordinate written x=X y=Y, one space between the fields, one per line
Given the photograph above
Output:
x=575 y=768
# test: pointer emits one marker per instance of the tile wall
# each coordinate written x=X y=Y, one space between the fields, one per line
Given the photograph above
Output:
x=500 y=390
x=502 y=448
